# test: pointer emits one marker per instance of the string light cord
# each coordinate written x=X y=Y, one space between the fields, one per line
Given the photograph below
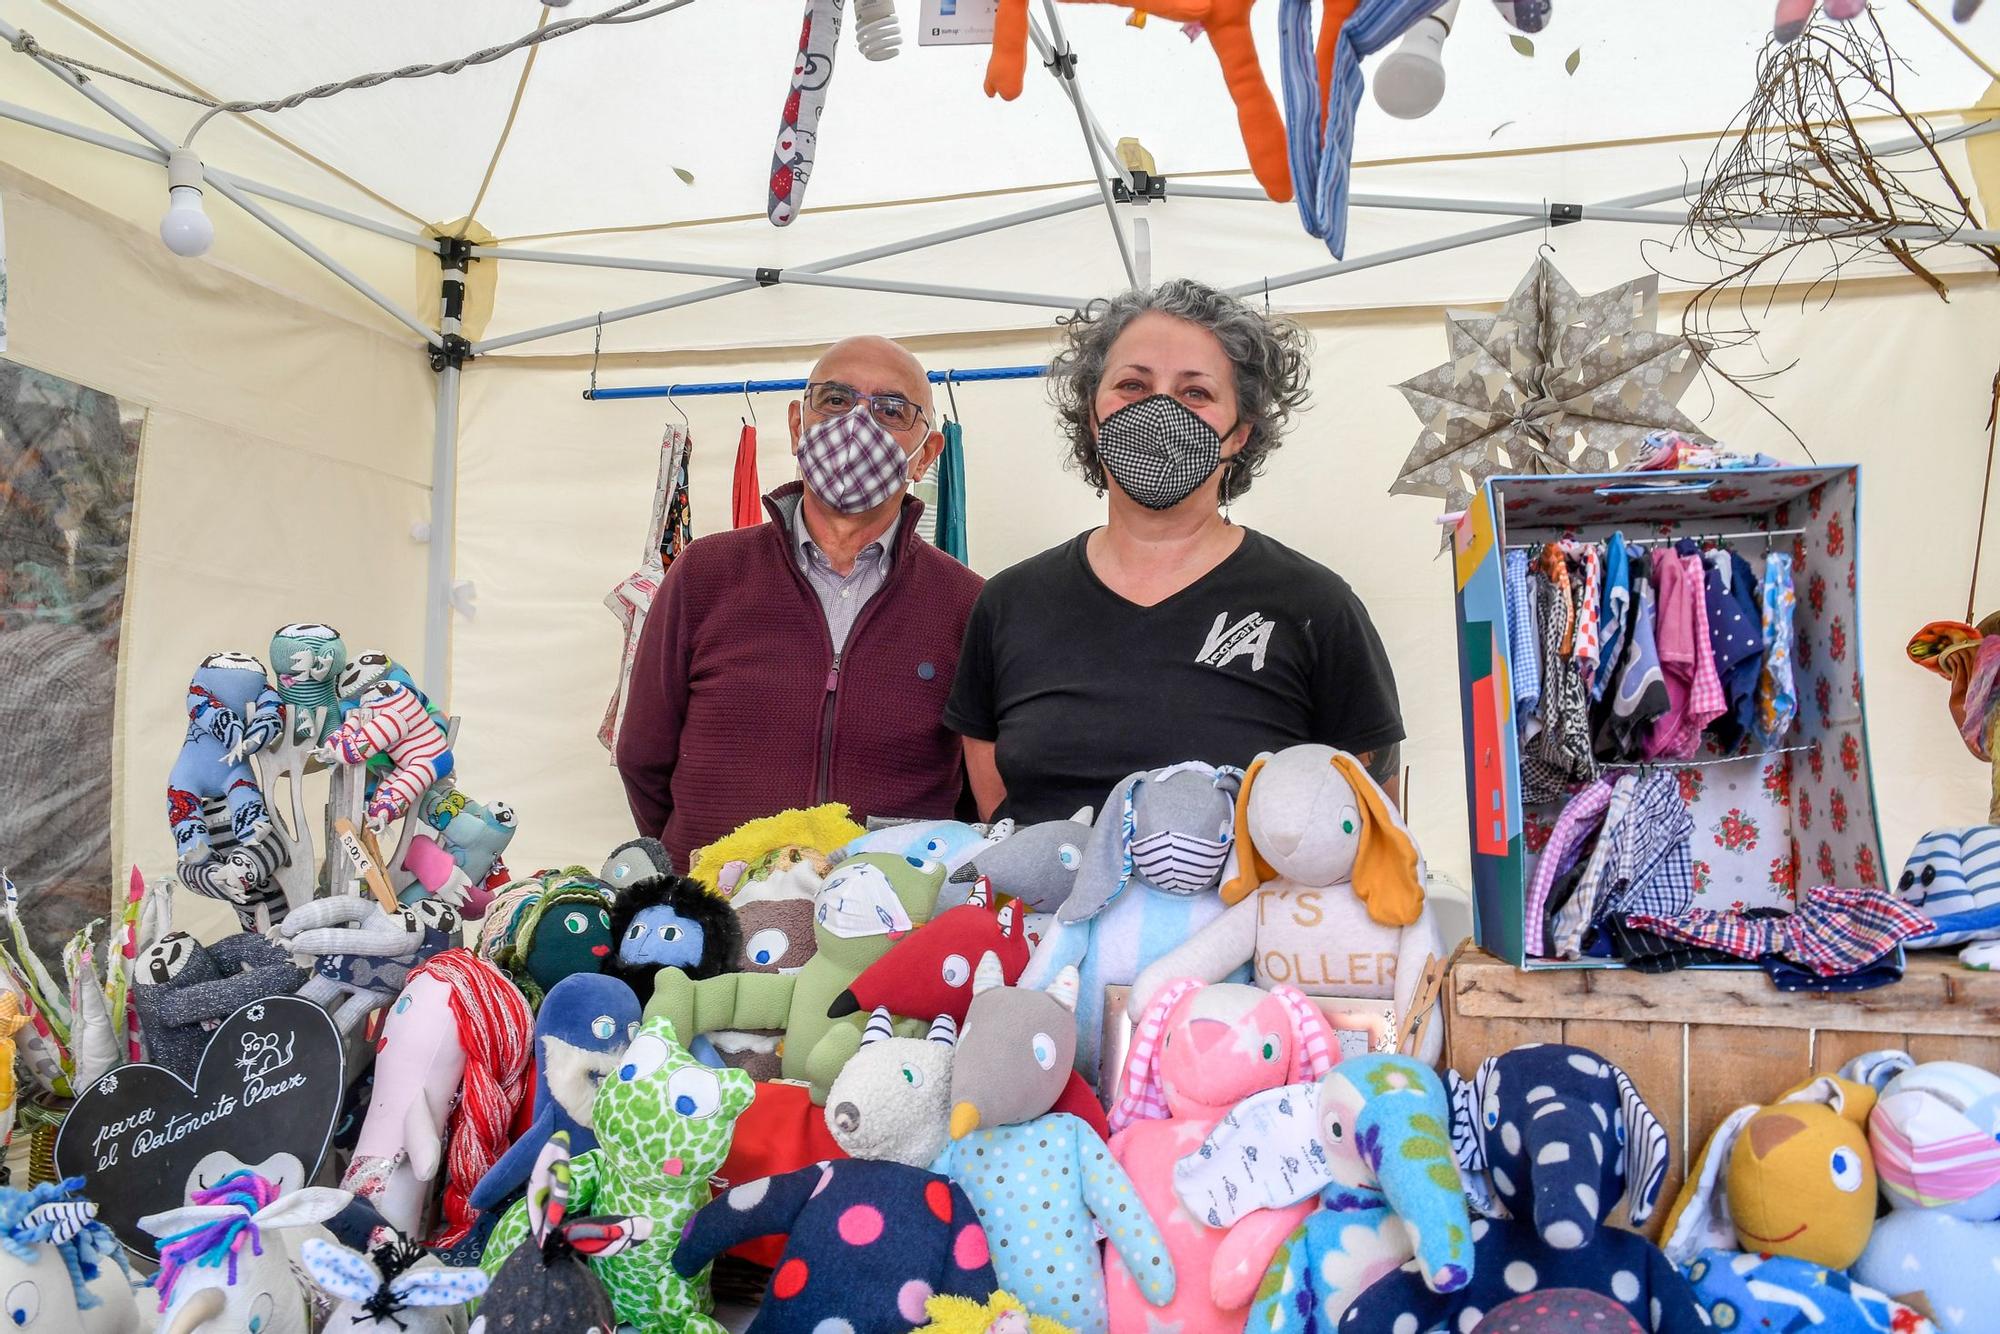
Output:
x=630 y=11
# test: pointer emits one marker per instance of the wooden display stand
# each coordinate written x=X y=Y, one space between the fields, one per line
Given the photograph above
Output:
x=1701 y=1043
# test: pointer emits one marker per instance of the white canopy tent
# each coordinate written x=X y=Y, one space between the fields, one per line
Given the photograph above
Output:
x=621 y=171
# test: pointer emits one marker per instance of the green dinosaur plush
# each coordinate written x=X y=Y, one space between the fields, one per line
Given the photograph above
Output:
x=664 y=1122
x=867 y=904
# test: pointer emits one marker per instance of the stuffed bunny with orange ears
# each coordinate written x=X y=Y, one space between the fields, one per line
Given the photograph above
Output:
x=1198 y=1051
x=1325 y=887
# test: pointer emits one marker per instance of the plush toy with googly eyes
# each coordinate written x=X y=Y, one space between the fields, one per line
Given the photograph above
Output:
x=661 y=920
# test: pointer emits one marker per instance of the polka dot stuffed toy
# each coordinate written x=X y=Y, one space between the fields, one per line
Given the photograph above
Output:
x=1557 y=1135
x=1042 y=1181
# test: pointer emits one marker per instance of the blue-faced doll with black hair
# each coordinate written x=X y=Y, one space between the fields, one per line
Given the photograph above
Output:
x=662 y=920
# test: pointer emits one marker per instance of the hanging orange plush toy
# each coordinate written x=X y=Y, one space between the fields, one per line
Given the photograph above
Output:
x=1228 y=25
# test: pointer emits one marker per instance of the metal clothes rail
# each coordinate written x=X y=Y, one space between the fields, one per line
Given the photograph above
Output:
x=796 y=386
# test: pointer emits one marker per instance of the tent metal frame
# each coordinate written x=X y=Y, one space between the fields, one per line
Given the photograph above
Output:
x=448 y=348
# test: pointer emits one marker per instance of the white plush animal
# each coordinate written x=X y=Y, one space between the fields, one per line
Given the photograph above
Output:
x=892 y=1100
x=220 y=1277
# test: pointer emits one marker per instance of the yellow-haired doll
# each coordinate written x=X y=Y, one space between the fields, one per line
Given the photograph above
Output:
x=998 y=1314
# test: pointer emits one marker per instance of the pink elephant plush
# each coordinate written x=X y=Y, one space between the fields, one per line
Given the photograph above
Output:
x=1199 y=1050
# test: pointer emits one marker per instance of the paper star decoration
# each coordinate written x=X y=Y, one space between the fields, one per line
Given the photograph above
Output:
x=1557 y=382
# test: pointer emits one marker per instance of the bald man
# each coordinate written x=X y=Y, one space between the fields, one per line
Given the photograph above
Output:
x=808 y=659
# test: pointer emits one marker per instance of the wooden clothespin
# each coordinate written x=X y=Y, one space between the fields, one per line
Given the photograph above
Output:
x=1416 y=1022
x=360 y=846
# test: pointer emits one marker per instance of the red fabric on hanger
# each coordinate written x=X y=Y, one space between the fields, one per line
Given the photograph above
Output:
x=746 y=500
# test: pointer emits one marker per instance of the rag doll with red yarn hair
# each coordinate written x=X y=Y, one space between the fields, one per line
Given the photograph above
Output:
x=459 y=1029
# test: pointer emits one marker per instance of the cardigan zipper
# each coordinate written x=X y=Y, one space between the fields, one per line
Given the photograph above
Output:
x=824 y=779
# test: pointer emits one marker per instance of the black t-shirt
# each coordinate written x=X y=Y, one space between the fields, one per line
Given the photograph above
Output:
x=1079 y=687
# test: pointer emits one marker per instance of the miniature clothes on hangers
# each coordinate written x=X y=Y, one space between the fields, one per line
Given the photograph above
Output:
x=1584 y=638
x=1614 y=608
x=1524 y=638
x=1777 y=699
x=1640 y=697
x=1736 y=638
x=1570 y=922
x=1561 y=752
x=1574 y=826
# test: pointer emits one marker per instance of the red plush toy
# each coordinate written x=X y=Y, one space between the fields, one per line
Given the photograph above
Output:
x=929 y=973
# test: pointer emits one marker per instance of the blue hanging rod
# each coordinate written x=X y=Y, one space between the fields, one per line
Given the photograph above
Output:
x=795 y=386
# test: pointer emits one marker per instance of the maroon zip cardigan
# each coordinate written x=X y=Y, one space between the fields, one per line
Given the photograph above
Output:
x=737 y=708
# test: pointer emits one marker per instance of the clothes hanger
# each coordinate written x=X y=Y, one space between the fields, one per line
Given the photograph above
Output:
x=686 y=425
x=952 y=398
x=749 y=406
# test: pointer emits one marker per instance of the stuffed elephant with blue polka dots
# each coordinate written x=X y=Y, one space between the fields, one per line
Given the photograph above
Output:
x=1559 y=1133
x=1551 y=1137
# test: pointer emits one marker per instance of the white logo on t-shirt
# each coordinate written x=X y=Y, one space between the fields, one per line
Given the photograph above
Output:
x=1227 y=642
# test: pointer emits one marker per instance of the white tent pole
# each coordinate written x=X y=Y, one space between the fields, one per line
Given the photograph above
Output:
x=1064 y=60
x=946 y=236
x=1461 y=239
x=10 y=34
x=1585 y=212
x=132 y=148
x=441 y=565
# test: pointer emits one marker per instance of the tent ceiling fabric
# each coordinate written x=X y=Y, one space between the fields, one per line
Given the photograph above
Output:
x=608 y=113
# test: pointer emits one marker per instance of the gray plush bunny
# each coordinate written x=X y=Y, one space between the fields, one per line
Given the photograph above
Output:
x=1147 y=882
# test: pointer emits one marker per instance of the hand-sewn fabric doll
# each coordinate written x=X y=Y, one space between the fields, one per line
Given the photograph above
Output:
x=868 y=1243
x=387 y=1291
x=1197 y=1052
x=72 y=1266
x=1035 y=863
x=1325 y=887
x=308 y=658
x=1227 y=23
x=546 y=1283
x=458 y=857
x=862 y=909
x=1791 y=1178
x=929 y=971
x=232 y=714
x=182 y=990
x=567 y=930
x=770 y=870
x=391 y=720
x=1953 y=878
x=1042 y=1181
x=1785 y=1295
x=1147 y=883
x=661 y=920
x=1001 y=1313
x=1370 y=1144
x=1935 y=1134
x=1559 y=1135
x=224 y=1263
x=892 y=1100
x=449 y=1076
x=361 y=955
x=798 y=126
x=951 y=843
x=663 y=1128
x=581 y=1032
x=243 y=875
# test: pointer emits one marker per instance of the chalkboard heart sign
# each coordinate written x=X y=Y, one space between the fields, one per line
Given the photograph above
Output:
x=265 y=1097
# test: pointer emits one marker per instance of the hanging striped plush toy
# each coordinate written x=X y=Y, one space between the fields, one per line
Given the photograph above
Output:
x=798 y=128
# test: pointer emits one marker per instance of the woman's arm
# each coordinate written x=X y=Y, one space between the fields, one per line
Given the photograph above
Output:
x=984 y=774
x=1385 y=766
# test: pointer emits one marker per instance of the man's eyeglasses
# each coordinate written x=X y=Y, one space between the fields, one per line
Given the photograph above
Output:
x=829 y=398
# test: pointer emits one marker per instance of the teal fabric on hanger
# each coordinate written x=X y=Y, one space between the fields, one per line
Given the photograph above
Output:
x=951 y=538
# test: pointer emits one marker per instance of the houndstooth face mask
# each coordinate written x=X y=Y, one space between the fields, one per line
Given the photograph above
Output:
x=1158 y=450
x=853 y=462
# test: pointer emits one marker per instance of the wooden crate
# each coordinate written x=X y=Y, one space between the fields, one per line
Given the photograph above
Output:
x=1700 y=1044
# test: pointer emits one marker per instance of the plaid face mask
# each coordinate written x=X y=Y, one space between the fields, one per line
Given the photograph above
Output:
x=1158 y=450
x=853 y=462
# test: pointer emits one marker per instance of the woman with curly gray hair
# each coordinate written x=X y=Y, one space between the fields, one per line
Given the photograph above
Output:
x=1169 y=633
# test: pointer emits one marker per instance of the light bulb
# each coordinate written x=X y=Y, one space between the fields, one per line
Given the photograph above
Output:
x=185 y=228
x=1410 y=83
x=875 y=29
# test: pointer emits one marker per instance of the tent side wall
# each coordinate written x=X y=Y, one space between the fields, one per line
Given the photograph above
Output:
x=555 y=494
x=286 y=453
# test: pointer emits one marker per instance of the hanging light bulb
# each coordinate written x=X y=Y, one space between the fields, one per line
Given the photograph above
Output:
x=875 y=29
x=1410 y=83
x=185 y=228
